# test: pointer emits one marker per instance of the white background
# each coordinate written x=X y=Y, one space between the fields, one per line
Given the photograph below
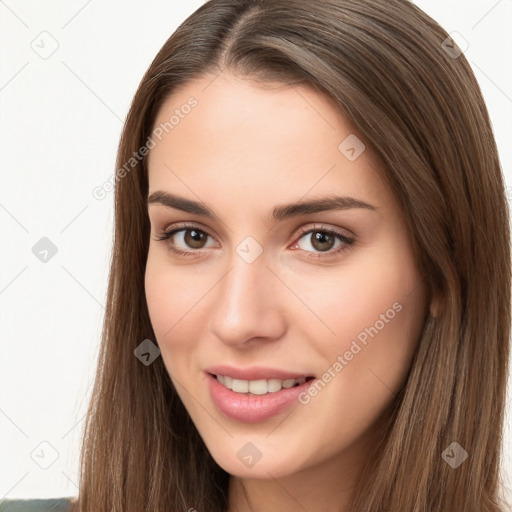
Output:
x=61 y=118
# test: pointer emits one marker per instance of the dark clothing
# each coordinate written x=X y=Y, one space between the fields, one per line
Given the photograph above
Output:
x=50 y=505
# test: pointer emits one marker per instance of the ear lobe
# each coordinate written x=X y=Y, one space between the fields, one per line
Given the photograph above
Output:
x=435 y=306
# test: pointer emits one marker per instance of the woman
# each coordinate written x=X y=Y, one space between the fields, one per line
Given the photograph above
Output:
x=309 y=297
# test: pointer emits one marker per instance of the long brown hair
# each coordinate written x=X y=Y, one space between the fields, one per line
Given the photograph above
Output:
x=420 y=109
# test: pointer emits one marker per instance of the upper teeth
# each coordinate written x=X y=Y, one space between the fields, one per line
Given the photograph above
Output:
x=258 y=387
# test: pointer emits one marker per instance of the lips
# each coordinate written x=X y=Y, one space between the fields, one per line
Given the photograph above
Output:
x=249 y=407
x=255 y=373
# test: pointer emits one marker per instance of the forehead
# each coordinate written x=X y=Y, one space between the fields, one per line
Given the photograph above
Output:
x=243 y=139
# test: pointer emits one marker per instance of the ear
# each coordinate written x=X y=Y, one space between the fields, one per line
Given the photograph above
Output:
x=435 y=305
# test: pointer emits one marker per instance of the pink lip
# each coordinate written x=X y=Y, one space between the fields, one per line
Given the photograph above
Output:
x=251 y=408
x=254 y=373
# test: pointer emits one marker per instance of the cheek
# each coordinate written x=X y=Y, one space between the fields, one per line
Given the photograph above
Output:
x=377 y=309
x=349 y=300
x=174 y=303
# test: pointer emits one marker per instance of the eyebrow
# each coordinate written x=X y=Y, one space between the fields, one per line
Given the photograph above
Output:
x=279 y=212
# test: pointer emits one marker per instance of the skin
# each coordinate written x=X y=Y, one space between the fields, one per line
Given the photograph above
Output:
x=243 y=150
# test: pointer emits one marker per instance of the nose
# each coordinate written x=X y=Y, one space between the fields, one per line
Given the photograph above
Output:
x=249 y=305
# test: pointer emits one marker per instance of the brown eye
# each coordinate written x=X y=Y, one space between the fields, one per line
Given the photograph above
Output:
x=194 y=238
x=322 y=241
x=185 y=239
x=188 y=239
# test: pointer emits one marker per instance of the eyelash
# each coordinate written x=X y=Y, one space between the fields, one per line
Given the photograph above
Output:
x=347 y=241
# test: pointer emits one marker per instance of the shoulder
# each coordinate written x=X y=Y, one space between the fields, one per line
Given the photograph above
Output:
x=48 y=505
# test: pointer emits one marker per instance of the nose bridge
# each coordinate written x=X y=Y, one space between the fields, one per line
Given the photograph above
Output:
x=247 y=304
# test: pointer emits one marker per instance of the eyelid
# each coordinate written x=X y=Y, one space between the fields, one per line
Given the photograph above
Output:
x=347 y=240
x=300 y=231
x=167 y=233
x=181 y=226
x=307 y=229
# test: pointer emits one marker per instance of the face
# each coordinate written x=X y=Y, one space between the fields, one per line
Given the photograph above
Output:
x=310 y=314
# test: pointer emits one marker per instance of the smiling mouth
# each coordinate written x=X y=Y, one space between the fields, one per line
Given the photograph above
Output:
x=260 y=386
